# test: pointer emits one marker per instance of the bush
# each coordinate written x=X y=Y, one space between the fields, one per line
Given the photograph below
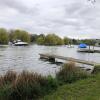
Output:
x=96 y=69
x=69 y=73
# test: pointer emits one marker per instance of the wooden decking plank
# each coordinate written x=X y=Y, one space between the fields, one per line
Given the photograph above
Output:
x=69 y=59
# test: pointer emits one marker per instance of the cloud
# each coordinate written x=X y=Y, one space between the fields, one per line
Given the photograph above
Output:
x=78 y=19
x=18 y=6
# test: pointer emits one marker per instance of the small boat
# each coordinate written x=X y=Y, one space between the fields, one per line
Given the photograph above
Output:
x=70 y=46
x=83 y=48
x=20 y=43
x=82 y=45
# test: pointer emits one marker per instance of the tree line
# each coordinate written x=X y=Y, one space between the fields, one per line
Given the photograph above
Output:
x=49 y=39
x=12 y=35
x=52 y=39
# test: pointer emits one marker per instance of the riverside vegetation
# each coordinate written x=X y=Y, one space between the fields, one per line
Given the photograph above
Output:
x=32 y=86
x=85 y=89
x=50 y=39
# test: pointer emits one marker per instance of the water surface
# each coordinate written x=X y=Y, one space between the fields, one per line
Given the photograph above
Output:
x=27 y=58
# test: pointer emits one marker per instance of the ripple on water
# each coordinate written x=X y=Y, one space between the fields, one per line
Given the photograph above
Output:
x=27 y=58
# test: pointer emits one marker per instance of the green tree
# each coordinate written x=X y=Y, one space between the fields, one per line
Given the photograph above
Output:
x=52 y=39
x=74 y=41
x=59 y=40
x=34 y=37
x=66 y=40
x=11 y=35
x=21 y=35
x=41 y=41
x=3 y=36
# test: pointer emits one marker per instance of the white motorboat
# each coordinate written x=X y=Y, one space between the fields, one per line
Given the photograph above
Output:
x=20 y=43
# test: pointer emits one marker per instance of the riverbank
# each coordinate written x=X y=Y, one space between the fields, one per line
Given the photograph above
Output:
x=32 y=86
x=87 y=89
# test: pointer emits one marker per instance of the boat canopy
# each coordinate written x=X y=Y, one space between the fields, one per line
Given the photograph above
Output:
x=82 y=45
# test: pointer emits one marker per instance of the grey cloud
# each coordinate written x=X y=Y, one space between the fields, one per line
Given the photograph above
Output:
x=73 y=18
x=67 y=21
x=19 y=6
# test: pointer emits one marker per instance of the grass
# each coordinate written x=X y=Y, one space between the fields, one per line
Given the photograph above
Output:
x=96 y=69
x=70 y=73
x=25 y=86
x=70 y=83
x=86 y=89
x=9 y=77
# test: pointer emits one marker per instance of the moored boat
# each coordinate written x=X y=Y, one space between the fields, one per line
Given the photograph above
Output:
x=20 y=43
x=83 y=48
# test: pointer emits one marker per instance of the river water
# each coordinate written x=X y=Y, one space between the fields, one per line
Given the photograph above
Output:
x=27 y=58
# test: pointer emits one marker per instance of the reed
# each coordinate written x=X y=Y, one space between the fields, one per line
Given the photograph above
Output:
x=25 y=86
x=32 y=86
x=70 y=73
x=8 y=78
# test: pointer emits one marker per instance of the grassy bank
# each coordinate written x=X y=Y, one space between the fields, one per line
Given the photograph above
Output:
x=70 y=83
x=86 y=89
x=25 y=86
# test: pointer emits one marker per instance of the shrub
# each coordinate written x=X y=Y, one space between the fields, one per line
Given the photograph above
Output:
x=96 y=69
x=69 y=73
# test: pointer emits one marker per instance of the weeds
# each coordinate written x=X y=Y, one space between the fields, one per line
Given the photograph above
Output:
x=25 y=86
x=70 y=73
x=96 y=69
x=8 y=78
x=31 y=86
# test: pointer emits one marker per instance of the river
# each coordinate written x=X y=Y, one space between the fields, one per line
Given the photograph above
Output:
x=27 y=58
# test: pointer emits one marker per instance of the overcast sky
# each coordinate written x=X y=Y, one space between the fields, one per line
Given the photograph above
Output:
x=72 y=18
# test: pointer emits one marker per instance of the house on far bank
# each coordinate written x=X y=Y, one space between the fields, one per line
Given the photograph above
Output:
x=97 y=43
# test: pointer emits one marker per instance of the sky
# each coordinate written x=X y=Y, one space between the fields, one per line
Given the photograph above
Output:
x=70 y=18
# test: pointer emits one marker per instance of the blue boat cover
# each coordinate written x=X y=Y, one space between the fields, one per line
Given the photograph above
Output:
x=82 y=45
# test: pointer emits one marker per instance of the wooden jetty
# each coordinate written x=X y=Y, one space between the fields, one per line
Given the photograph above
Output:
x=51 y=57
